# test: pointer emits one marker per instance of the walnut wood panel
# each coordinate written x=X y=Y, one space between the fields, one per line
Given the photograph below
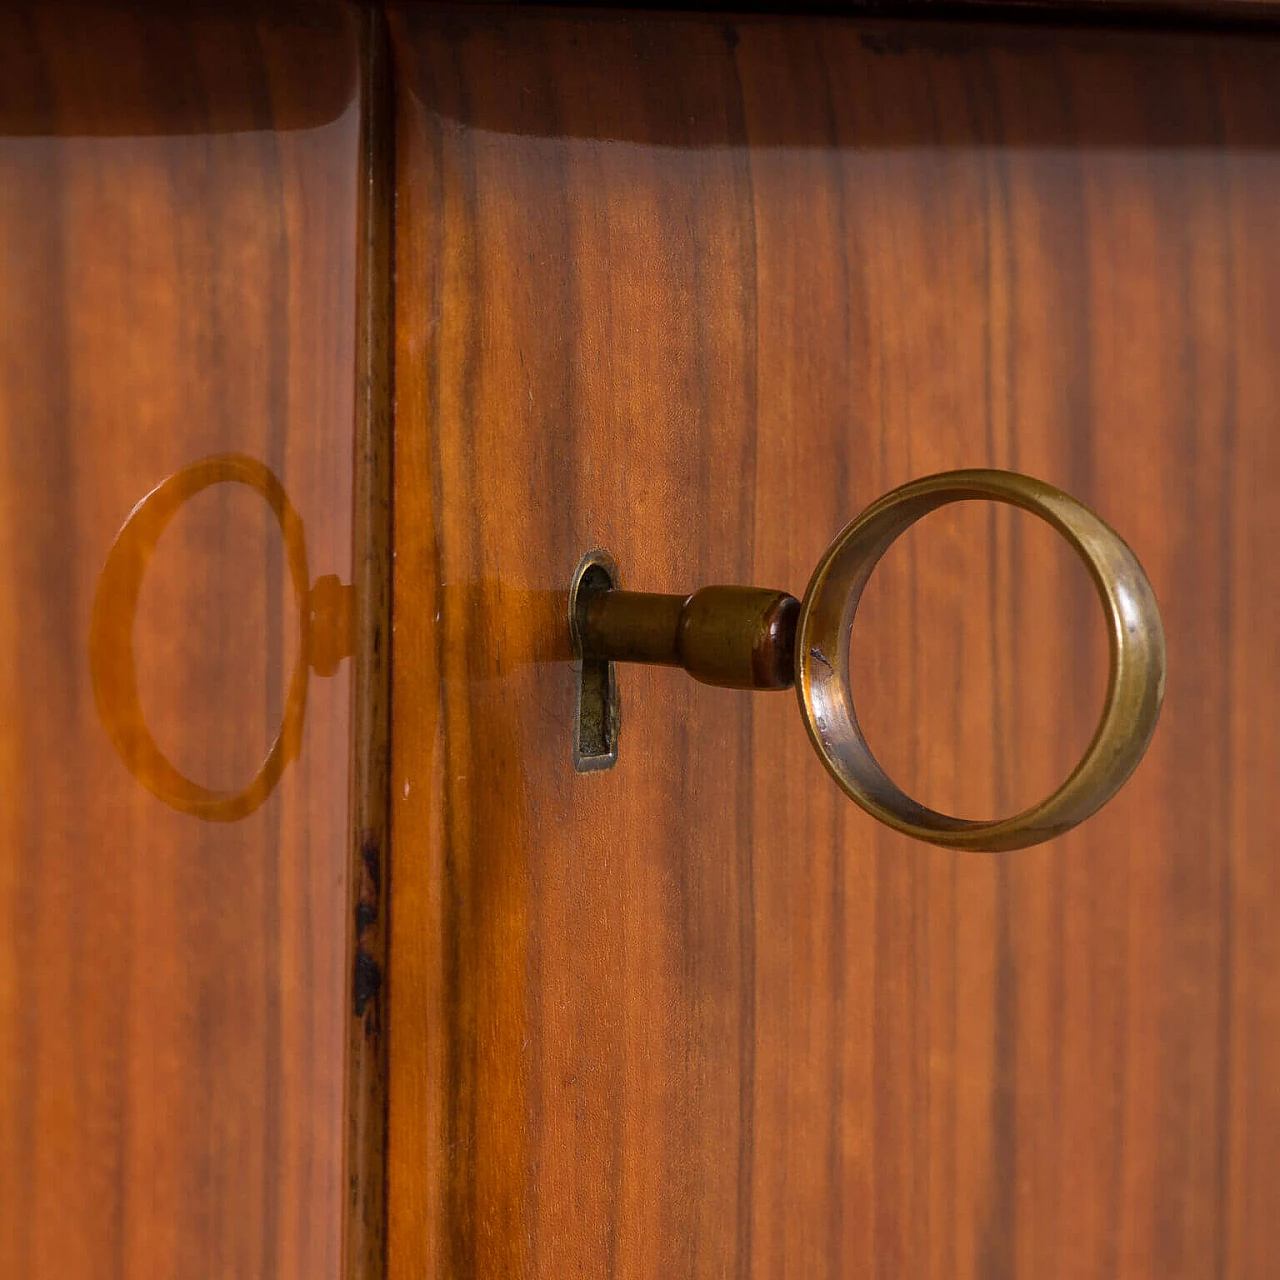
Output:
x=696 y=291
x=180 y=248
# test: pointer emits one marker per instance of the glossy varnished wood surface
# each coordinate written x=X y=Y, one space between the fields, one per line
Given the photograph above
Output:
x=179 y=209
x=696 y=291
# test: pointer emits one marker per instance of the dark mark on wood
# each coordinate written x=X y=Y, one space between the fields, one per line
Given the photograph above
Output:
x=365 y=984
x=370 y=855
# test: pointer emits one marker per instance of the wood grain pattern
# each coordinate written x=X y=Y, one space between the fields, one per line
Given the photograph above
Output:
x=364 y=1226
x=179 y=209
x=696 y=291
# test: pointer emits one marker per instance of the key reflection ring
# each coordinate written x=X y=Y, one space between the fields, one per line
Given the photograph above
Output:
x=752 y=638
x=324 y=637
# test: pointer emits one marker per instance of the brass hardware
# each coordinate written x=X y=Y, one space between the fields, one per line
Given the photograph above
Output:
x=737 y=637
x=750 y=638
x=326 y=624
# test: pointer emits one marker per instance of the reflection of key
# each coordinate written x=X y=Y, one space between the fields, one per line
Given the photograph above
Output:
x=325 y=636
x=752 y=638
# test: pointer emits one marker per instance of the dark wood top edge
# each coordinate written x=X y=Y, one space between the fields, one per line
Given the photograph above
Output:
x=1217 y=50
x=1136 y=14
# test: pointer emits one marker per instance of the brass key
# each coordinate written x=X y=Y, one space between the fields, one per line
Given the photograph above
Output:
x=754 y=638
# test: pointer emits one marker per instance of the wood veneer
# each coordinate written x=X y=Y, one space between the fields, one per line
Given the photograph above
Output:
x=696 y=290
x=180 y=234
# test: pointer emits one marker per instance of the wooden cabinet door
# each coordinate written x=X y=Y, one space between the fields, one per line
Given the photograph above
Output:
x=185 y=277
x=696 y=290
x=693 y=290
